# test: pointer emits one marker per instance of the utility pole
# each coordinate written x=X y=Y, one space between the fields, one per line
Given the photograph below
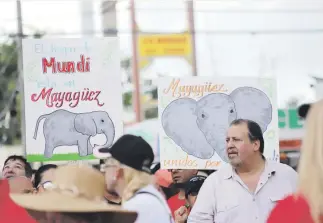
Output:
x=136 y=74
x=109 y=18
x=87 y=21
x=191 y=24
x=19 y=38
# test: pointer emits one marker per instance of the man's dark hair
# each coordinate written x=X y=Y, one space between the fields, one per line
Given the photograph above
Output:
x=254 y=132
x=40 y=171
x=28 y=169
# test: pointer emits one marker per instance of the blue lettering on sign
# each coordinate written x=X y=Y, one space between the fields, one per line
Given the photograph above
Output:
x=69 y=83
x=40 y=48
x=45 y=83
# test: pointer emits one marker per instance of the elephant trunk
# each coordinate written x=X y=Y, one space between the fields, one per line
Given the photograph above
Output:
x=109 y=134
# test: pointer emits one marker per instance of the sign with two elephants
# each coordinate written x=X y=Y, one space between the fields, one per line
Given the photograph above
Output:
x=72 y=90
x=195 y=114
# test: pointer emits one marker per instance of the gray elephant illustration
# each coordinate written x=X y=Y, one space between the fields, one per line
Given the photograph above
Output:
x=253 y=104
x=200 y=127
x=215 y=112
x=179 y=122
x=64 y=128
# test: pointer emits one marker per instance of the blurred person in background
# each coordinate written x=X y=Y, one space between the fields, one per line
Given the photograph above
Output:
x=43 y=177
x=192 y=188
x=9 y=211
x=306 y=205
x=128 y=175
x=110 y=198
x=33 y=175
x=21 y=185
x=246 y=189
x=15 y=166
x=180 y=177
x=165 y=184
x=77 y=196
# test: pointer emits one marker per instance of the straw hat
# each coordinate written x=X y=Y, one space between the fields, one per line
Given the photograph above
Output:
x=76 y=189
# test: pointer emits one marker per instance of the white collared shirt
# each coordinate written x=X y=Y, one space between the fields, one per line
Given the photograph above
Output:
x=224 y=198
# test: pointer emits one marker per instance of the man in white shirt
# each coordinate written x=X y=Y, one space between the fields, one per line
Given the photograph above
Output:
x=246 y=190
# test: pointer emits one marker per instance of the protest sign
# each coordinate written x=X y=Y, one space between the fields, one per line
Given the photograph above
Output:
x=72 y=92
x=195 y=114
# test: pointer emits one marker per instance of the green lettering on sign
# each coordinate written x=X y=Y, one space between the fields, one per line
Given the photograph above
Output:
x=289 y=119
x=281 y=119
x=294 y=121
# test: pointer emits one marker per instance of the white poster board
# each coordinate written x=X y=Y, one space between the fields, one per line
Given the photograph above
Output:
x=72 y=90
x=195 y=114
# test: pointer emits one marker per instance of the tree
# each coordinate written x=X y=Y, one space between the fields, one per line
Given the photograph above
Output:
x=8 y=81
x=10 y=98
x=126 y=65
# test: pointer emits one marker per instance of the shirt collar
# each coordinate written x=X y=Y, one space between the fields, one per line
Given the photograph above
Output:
x=270 y=169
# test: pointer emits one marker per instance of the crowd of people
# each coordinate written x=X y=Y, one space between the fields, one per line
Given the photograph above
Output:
x=128 y=188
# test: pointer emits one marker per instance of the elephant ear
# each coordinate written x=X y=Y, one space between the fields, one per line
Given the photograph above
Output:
x=253 y=104
x=84 y=123
x=179 y=123
x=215 y=112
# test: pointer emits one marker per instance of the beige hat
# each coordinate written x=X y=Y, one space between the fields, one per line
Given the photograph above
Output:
x=76 y=189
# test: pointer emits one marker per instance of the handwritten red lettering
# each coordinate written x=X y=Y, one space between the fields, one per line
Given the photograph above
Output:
x=57 y=99
x=82 y=66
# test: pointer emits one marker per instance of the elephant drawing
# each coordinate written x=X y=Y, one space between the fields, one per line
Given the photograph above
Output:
x=64 y=128
x=186 y=133
x=200 y=127
x=253 y=104
x=215 y=112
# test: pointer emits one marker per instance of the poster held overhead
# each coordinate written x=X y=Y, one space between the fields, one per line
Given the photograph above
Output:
x=195 y=114
x=72 y=97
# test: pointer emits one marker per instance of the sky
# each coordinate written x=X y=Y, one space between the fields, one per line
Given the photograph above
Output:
x=280 y=39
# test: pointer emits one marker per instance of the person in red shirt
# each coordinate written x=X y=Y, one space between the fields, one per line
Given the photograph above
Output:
x=293 y=209
x=180 y=177
x=9 y=211
x=307 y=205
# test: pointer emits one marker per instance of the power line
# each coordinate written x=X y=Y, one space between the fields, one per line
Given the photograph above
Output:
x=221 y=32
x=256 y=11
x=214 y=11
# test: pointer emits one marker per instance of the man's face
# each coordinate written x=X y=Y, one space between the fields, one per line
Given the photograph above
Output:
x=13 y=168
x=239 y=146
x=182 y=176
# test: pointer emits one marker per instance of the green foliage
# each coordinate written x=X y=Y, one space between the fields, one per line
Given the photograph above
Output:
x=126 y=63
x=8 y=83
x=127 y=99
x=8 y=79
x=154 y=93
x=151 y=113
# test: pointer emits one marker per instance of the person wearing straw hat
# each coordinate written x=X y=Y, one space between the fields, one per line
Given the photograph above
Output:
x=77 y=195
x=128 y=174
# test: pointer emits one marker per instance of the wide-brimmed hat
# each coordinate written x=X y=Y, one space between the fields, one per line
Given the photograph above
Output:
x=75 y=189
